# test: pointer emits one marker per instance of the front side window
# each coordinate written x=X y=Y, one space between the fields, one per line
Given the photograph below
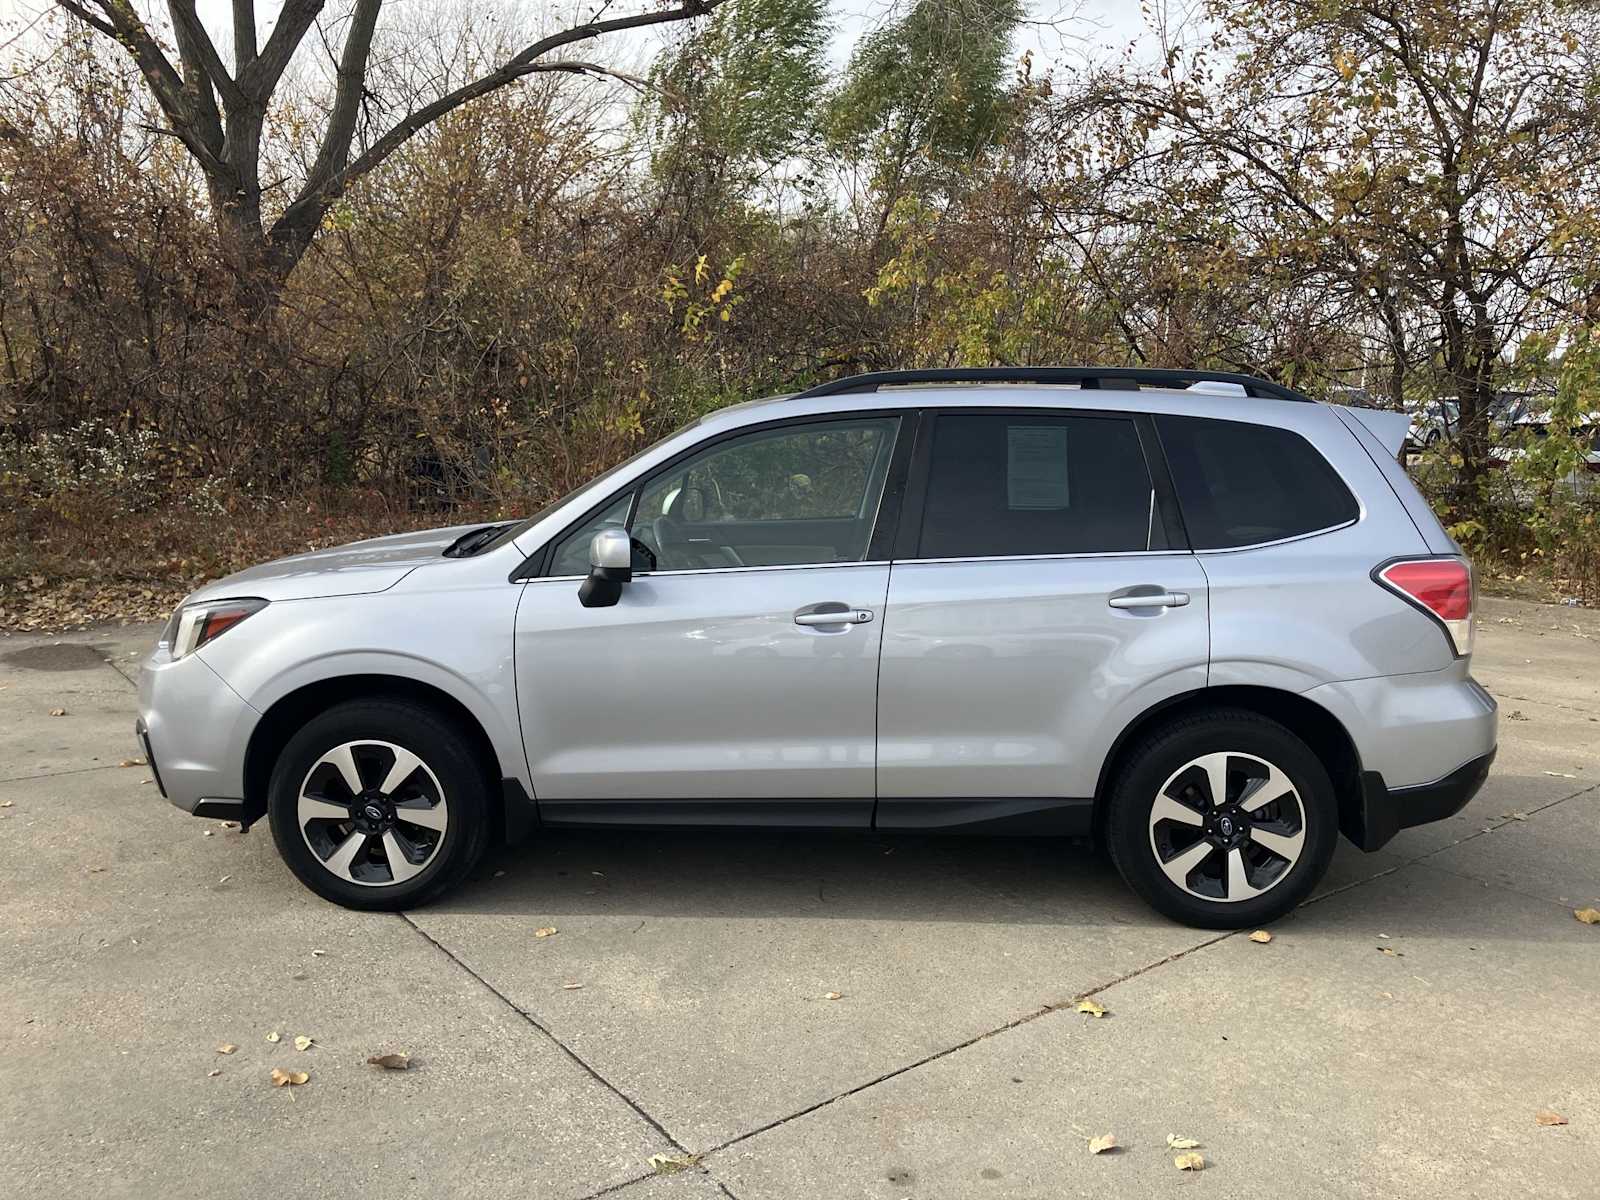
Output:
x=791 y=495
x=1240 y=484
x=1002 y=484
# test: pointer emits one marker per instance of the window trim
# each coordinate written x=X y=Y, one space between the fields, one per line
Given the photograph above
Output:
x=889 y=510
x=908 y=544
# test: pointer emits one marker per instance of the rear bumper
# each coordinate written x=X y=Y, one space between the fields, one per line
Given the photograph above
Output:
x=1385 y=811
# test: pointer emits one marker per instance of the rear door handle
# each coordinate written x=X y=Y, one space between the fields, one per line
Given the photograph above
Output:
x=1151 y=600
x=850 y=616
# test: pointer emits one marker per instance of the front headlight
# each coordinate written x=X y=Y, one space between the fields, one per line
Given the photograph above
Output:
x=193 y=625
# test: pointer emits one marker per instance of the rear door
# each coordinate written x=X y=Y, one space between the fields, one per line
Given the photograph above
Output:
x=1040 y=598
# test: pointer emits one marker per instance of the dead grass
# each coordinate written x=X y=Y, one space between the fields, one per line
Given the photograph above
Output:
x=65 y=568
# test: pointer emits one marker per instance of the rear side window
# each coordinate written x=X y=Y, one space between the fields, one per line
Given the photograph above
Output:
x=1037 y=483
x=1240 y=484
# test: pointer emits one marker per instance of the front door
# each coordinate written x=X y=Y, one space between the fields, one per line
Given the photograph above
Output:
x=1036 y=610
x=736 y=677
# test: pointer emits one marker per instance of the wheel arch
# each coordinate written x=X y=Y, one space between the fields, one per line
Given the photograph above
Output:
x=292 y=710
x=1306 y=719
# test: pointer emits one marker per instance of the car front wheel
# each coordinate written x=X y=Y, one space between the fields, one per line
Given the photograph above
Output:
x=379 y=804
x=1222 y=820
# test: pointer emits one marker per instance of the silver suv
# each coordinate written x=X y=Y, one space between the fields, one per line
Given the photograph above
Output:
x=1198 y=617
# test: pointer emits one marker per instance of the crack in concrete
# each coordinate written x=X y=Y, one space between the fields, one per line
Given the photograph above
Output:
x=58 y=774
x=542 y=1028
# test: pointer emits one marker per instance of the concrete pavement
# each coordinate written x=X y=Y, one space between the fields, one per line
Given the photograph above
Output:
x=132 y=945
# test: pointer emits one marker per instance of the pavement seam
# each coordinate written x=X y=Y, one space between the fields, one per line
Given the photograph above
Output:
x=1050 y=1008
x=542 y=1028
x=56 y=774
x=1544 y=703
x=1025 y=1019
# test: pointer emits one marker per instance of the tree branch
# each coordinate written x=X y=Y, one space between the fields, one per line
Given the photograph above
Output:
x=260 y=77
x=195 y=43
x=335 y=149
x=317 y=195
x=244 y=33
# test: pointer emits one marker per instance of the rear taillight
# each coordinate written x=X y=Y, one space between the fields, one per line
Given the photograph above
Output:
x=1440 y=587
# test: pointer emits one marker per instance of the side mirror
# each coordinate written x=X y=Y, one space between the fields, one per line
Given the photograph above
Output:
x=610 y=566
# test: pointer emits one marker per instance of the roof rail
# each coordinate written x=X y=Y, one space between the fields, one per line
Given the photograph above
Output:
x=1124 y=378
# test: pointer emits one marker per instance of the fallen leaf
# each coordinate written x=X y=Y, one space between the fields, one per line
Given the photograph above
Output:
x=280 y=1077
x=1545 y=1117
x=58 y=712
x=302 y=1042
x=1262 y=936
x=1384 y=936
x=1091 y=1008
x=545 y=931
x=6 y=803
x=1589 y=916
x=570 y=987
x=668 y=1164
x=209 y=833
x=131 y=762
x=1181 y=1143
x=833 y=995
x=390 y=1062
x=1190 y=1162
x=212 y=1074
x=225 y=879
x=1390 y=951
x=226 y=1048
x=1099 y=1145
x=318 y=953
x=1552 y=774
x=274 y=1036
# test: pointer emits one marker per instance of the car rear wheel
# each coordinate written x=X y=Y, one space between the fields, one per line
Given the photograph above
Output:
x=379 y=804
x=1222 y=820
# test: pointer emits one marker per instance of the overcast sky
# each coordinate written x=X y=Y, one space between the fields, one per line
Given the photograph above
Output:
x=1058 y=29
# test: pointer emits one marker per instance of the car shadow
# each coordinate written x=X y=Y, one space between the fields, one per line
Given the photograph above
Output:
x=764 y=873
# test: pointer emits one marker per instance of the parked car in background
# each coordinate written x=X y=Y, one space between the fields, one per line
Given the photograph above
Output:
x=1197 y=617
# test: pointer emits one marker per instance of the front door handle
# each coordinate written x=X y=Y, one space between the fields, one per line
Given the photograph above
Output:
x=1151 y=600
x=847 y=616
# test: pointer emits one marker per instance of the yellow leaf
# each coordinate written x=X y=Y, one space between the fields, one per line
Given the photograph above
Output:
x=1545 y=1117
x=226 y=1048
x=1181 y=1143
x=1091 y=1008
x=667 y=1164
x=1262 y=936
x=280 y=1077
x=1099 y=1145
x=1589 y=916
x=302 y=1042
x=1190 y=1162
x=58 y=712
x=545 y=931
x=833 y=995
x=274 y=1036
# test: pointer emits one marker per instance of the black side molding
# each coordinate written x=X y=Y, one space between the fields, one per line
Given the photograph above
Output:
x=222 y=810
x=1042 y=816
x=1385 y=811
x=521 y=813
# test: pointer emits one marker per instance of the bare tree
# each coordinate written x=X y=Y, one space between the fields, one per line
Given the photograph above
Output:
x=220 y=114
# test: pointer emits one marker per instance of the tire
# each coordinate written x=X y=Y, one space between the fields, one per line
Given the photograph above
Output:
x=1280 y=817
x=417 y=840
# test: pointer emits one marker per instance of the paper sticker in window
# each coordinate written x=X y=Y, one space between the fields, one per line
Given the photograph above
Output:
x=1036 y=466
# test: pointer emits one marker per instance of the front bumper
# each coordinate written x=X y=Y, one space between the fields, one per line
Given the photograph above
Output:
x=1385 y=811
x=194 y=729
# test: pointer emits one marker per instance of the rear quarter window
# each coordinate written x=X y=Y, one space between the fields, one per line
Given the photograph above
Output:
x=1240 y=484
